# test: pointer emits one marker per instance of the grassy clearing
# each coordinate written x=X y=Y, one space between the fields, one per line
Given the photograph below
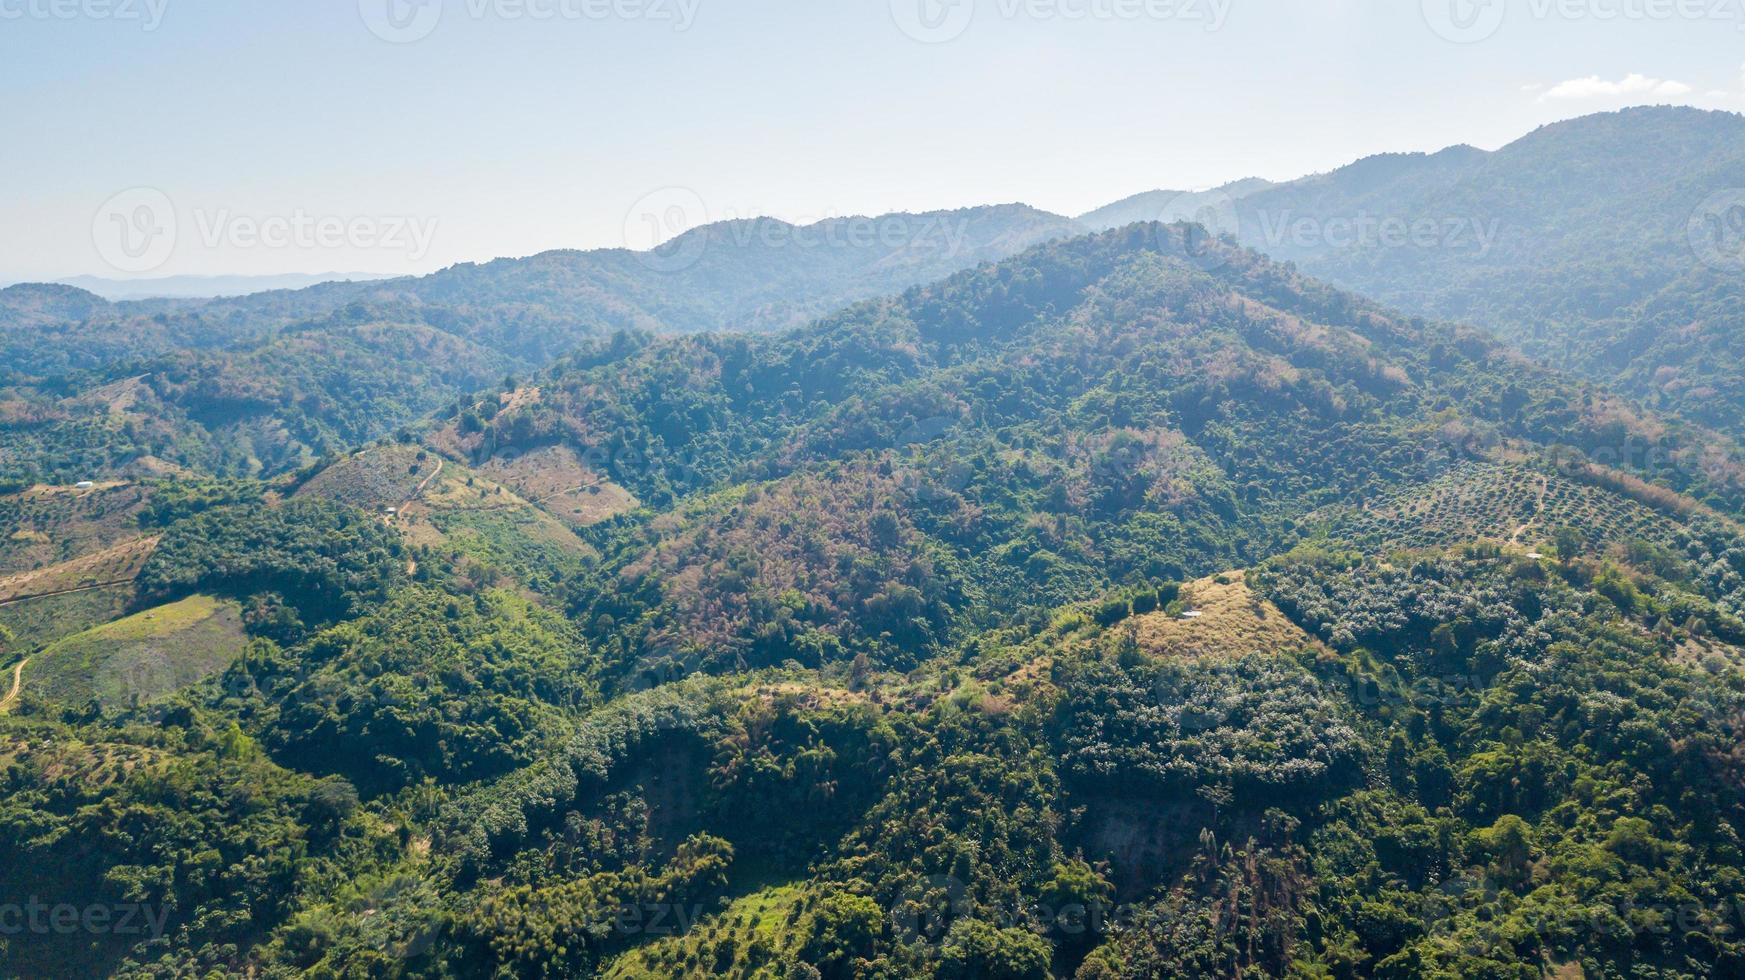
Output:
x=36 y=623
x=141 y=659
x=45 y=526
x=385 y=476
x=525 y=543
x=555 y=478
x=487 y=524
x=763 y=928
x=1233 y=621
x=106 y=567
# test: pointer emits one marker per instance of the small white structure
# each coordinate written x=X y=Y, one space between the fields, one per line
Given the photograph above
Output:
x=390 y=511
x=1193 y=614
x=1535 y=556
x=83 y=485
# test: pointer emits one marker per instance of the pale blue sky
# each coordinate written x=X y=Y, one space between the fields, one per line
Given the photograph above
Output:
x=499 y=133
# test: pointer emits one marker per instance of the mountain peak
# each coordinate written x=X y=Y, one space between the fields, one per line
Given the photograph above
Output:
x=43 y=302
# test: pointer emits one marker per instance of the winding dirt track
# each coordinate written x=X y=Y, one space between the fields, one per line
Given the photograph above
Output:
x=1544 y=490
x=17 y=683
x=433 y=475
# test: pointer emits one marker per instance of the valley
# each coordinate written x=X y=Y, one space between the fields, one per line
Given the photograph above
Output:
x=1094 y=598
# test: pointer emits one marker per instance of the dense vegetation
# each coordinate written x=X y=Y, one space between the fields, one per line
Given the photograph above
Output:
x=1609 y=246
x=271 y=382
x=1133 y=607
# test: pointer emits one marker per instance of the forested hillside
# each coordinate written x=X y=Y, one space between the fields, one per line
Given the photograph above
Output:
x=1135 y=606
x=1611 y=246
x=265 y=384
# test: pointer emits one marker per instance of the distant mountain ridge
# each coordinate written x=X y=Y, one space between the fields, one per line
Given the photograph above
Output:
x=209 y=287
x=268 y=381
x=1169 y=206
x=754 y=274
x=1612 y=245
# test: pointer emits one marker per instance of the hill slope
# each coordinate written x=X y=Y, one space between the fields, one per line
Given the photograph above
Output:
x=1093 y=413
x=269 y=382
x=1610 y=246
x=886 y=664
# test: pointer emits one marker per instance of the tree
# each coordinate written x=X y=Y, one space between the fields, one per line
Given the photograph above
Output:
x=975 y=950
x=843 y=929
x=1509 y=844
x=1569 y=543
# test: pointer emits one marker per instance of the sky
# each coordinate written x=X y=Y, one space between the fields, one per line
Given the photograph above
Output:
x=211 y=137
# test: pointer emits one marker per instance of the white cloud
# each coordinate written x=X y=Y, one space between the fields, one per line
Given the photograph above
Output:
x=1595 y=87
x=1735 y=96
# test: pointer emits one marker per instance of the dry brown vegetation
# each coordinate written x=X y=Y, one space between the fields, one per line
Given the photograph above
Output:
x=1233 y=622
x=46 y=526
x=555 y=478
x=451 y=441
x=110 y=566
x=826 y=551
x=386 y=476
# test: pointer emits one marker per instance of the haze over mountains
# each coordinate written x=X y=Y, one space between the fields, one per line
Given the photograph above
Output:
x=1594 y=270
x=206 y=287
x=1612 y=246
x=978 y=595
x=1170 y=206
x=269 y=381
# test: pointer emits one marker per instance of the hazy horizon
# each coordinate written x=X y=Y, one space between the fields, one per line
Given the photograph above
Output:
x=404 y=136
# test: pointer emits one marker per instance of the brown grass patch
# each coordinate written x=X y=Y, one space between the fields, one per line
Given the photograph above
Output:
x=808 y=696
x=555 y=478
x=106 y=567
x=1233 y=622
x=47 y=526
